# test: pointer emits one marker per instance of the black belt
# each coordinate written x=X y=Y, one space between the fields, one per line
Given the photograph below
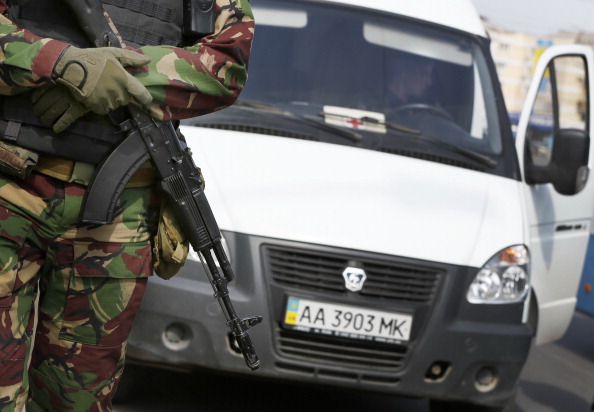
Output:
x=90 y=139
x=66 y=144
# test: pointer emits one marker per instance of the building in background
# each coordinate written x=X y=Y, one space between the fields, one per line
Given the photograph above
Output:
x=515 y=56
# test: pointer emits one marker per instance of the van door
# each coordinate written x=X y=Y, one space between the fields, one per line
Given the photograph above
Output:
x=555 y=156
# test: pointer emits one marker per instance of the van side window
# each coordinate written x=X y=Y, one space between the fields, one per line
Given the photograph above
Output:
x=572 y=94
x=560 y=104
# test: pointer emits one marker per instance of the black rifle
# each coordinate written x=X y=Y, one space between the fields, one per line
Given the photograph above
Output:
x=147 y=138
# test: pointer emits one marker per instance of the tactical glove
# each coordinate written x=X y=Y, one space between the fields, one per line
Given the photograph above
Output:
x=55 y=105
x=98 y=79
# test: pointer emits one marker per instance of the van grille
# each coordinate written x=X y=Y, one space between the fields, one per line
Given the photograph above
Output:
x=358 y=354
x=322 y=271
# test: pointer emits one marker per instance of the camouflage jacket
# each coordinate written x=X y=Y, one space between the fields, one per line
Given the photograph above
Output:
x=184 y=82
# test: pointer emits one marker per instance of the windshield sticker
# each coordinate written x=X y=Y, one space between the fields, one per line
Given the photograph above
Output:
x=355 y=119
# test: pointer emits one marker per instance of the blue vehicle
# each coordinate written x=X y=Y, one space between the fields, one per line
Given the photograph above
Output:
x=585 y=301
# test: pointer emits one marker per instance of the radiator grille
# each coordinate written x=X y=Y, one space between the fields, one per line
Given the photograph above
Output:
x=358 y=354
x=321 y=271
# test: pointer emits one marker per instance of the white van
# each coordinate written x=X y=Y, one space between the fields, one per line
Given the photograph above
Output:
x=378 y=211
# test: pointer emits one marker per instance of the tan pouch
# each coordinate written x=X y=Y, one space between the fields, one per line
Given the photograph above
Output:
x=170 y=246
x=17 y=161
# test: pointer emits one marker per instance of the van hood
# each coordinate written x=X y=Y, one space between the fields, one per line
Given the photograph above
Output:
x=354 y=198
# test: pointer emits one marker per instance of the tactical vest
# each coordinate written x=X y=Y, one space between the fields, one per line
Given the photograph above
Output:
x=89 y=139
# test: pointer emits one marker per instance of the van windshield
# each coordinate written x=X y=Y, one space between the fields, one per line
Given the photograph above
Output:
x=385 y=78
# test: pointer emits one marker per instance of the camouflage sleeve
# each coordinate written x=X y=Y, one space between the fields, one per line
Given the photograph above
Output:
x=26 y=60
x=207 y=76
x=185 y=82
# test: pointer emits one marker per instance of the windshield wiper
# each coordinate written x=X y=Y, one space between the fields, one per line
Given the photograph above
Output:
x=335 y=130
x=471 y=154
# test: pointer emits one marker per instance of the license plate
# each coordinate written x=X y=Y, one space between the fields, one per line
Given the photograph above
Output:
x=347 y=321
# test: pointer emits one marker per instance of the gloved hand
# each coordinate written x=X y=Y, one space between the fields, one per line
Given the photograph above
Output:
x=98 y=79
x=55 y=105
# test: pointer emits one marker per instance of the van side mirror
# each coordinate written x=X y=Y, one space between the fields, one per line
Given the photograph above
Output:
x=567 y=169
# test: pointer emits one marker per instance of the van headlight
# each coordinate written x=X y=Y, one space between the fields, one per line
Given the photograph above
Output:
x=504 y=278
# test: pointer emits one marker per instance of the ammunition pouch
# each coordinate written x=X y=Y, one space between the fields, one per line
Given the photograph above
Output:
x=16 y=161
x=170 y=248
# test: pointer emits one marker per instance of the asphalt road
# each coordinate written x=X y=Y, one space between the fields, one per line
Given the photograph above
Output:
x=558 y=377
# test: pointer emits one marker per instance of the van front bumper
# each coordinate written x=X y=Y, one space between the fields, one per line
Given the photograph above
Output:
x=456 y=350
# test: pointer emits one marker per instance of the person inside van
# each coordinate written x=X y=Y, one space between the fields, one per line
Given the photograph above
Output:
x=411 y=92
x=409 y=78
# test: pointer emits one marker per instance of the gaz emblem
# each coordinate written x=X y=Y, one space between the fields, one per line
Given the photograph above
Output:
x=354 y=278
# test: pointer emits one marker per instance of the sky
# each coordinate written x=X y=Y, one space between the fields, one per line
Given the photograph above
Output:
x=539 y=16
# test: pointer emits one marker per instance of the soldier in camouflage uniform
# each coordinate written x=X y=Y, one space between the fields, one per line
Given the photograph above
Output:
x=90 y=278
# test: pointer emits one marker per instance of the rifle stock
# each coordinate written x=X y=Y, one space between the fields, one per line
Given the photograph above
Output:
x=148 y=138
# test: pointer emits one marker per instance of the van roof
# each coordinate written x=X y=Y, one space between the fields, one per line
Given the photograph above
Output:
x=459 y=14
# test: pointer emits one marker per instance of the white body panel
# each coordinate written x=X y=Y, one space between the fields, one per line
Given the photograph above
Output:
x=358 y=199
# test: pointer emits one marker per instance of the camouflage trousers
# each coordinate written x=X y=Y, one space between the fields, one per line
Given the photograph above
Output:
x=90 y=280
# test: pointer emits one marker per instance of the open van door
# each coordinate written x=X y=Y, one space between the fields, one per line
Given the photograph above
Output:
x=555 y=154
